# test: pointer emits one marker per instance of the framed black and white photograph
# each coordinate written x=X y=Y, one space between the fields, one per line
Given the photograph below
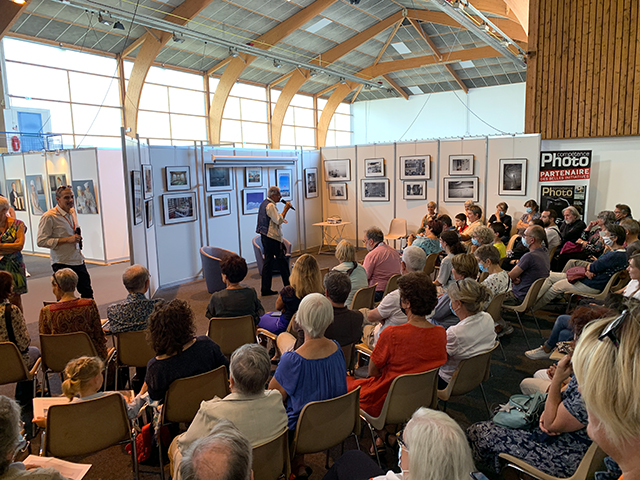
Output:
x=338 y=191
x=415 y=190
x=178 y=178
x=460 y=189
x=513 y=176
x=283 y=181
x=374 y=167
x=375 y=190
x=217 y=178
x=220 y=204
x=147 y=180
x=148 y=206
x=253 y=177
x=179 y=207
x=415 y=167
x=310 y=182
x=461 y=165
x=337 y=170
x=138 y=203
x=251 y=200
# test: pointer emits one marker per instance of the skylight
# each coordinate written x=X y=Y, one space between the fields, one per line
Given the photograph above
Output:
x=416 y=90
x=318 y=25
x=401 y=48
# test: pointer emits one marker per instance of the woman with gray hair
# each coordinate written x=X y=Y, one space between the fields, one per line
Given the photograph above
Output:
x=346 y=255
x=12 y=442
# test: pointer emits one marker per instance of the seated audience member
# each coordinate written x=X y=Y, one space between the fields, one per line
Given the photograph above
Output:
x=474 y=215
x=179 y=353
x=257 y=413
x=346 y=255
x=131 y=315
x=446 y=222
x=531 y=213
x=71 y=314
x=417 y=346
x=556 y=446
x=532 y=266
x=428 y=241
x=430 y=216
x=12 y=443
x=632 y=228
x=315 y=371
x=474 y=333
x=223 y=454
x=497 y=282
x=501 y=217
x=235 y=300
x=499 y=234
x=389 y=313
x=598 y=273
x=632 y=290
x=567 y=328
x=461 y=223
x=622 y=211
x=464 y=266
x=442 y=453
x=571 y=227
x=549 y=218
x=482 y=236
x=450 y=243
x=606 y=363
x=305 y=279
x=590 y=239
x=381 y=263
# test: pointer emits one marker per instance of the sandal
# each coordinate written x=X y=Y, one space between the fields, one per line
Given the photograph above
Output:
x=379 y=443
x=302 y=476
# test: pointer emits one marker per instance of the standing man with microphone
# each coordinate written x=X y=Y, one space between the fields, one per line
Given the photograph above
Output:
x=270 y=230
x=59 y=231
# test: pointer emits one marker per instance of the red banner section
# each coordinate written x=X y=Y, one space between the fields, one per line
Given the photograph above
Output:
x=566 y=174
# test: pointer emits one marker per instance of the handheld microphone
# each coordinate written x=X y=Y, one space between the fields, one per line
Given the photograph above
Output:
x=78 y=233
x=290 y=206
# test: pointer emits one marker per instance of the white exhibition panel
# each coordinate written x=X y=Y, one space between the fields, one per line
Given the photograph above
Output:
x=14 y=169
x=345 y=209
x=137 y=233
x=311 y=208
x=113 y=204
x=35 y=164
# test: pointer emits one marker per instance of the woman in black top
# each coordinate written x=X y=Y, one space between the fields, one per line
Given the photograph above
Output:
x=502 y=217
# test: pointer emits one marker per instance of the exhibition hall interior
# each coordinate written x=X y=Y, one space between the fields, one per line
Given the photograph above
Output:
x=320 y=239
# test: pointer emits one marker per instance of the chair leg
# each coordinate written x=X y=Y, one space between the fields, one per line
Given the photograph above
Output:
x=502 y=348
x=373 y=440
x=134 y=454
x=159 y=442
x=357 y=442
x=484 y=396
x=537 y=324
x=326 y=464
x=526 y=339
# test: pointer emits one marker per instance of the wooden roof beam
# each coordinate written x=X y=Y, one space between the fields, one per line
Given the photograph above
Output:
x=396 y=87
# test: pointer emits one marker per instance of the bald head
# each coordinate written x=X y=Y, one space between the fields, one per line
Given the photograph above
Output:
x=135 y=279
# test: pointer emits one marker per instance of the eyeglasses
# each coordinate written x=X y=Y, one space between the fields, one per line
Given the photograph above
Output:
x=611 y=330
x=55 y=280
x=401 y=442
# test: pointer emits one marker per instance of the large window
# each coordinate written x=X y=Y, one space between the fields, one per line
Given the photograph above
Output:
x=245 y=120
x=340 y=131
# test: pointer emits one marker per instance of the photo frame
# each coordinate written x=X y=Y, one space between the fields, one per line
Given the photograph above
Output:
x=16 y=194
x=513 y=177
x=178 y=178
x=338 y=191
x=217 y=178
x=251 y=200
x=179 y=207
x=85 y=201
x=220 y=204
x=55 y=181
x=148 y=207
x=415 y=167
x=460 y=189
x=337 y=170
x=374 y=167
x=253 y=177
x=415 y=190
x=375 y=190
x=147 y=181
x=36 y=197
x=283 y=181
x=310 y=182
x=461 y=165
x=136 y=191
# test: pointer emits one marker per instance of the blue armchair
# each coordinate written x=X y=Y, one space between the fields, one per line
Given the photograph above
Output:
x=211 y=257
x=259 y=252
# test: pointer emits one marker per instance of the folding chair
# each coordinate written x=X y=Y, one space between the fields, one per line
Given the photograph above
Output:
x=232 y=332
x=527 y=306
x=494 y=309
x=430 y=266
x=364 y=298
x=397 y=230
x=595 y=296
x=13 y=368
x=271 y=459
x=132 y=350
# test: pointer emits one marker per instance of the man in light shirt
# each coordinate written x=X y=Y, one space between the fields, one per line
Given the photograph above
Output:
x=548 y=217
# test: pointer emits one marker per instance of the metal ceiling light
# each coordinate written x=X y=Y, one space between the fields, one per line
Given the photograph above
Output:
x=312 y=73
x=343 y=81
x=118 y=25
x=103 y=20
x=19 y=2
x=277 y=64
x=233 y=52
x=177 y=39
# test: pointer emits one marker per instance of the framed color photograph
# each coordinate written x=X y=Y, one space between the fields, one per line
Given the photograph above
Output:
x=147 y=180
x=178 y=178
x=251 y=200
x=136 y=195
x=217 y=178
x=415 y=167
x=374 y=167
x=179 y=207
x=16 y=194
x=310 y=182
x=55 y=181
x=283 y=181
x=337 y=170
x=253 y=177
x=461 y=165
x=220 y=204
x=338 y=191
x=375 y=190
x=85 y=197
x=460 y=189
x=513 y=176
x=148 y=206
x=415 y=190
x=35 y=193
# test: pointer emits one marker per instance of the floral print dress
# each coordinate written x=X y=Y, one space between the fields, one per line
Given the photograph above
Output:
x=13 y=262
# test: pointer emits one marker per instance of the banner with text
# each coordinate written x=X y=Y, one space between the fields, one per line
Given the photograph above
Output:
x=565 y=165
x=559 y=197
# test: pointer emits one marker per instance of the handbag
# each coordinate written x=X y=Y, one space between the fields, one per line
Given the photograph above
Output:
x=522 y=411
x=575 y=274
x=570 y=247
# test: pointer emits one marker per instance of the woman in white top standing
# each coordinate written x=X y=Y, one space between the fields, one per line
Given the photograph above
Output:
x=346 y=255
x=474 y=334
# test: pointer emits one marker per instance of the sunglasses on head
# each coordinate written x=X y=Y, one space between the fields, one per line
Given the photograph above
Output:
x=612 y=328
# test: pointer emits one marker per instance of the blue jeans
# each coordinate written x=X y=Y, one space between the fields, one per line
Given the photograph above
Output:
x=561 y=331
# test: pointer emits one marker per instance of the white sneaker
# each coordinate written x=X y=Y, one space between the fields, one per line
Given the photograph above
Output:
x=537 y=354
